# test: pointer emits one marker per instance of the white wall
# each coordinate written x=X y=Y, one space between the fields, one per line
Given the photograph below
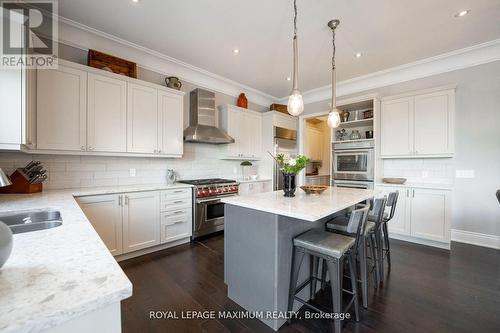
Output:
x=477 y=145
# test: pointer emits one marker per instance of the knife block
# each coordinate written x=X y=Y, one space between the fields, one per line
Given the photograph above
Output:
x=20 y=184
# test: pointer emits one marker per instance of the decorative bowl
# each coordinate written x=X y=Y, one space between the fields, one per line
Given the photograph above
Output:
x=394 y=180
x=313 y=189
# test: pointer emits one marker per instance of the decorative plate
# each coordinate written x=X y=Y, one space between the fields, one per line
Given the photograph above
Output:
x=313 y=189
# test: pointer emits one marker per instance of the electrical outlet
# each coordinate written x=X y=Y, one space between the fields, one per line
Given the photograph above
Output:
x=465 y=174
x=425 y=174
x=132 y=172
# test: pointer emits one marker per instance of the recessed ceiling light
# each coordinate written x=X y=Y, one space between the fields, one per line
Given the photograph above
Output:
x=289 y=78
x=236 y=51
x=358 y=55
x=462 y=13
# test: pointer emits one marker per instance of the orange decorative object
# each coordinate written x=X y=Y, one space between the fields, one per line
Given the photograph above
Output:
x=242 y=101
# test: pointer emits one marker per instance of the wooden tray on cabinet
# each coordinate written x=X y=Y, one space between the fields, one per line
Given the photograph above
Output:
x=111 y=63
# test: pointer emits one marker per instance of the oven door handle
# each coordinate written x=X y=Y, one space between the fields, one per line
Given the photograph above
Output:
x=352 y=152
x=198 y=201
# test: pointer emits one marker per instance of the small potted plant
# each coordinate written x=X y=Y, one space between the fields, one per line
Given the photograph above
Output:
x=290 y=167
x=245 y=165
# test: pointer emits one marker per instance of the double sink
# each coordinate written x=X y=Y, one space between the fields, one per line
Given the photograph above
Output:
x=31 y=220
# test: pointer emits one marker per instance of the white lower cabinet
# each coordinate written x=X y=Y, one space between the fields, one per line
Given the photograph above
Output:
x=421 y=213
x=247 y=188
x=176 y=214
x=105 y=214
x=141 y=221
x=431 y=213
x=135 y=221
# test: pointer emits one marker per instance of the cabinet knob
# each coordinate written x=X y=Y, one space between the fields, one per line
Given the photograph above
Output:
x=155 y=151
x=91 y=148
x=82 y=148
x=159 y=151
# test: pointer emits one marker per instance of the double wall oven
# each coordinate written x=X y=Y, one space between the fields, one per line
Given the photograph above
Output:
x=353 y=164
x=208 y=210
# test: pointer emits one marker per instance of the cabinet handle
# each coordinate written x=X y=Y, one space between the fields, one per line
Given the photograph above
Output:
x=91 y=148
x=178 y=201
x=120 y=200
x=413 y=193
x=178 y=212
x=82 y=148
x=159 y=151
x=407 y=193
x=126 y=200
x=178 y=191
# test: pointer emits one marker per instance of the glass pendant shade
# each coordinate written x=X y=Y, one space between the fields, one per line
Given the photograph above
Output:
x=295 y=103
x=334 y=118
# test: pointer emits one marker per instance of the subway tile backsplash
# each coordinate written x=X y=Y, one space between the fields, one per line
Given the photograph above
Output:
x=68 y=171
x=428 y=170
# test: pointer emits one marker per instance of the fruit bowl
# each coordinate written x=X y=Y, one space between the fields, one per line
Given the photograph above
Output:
x=314 y=189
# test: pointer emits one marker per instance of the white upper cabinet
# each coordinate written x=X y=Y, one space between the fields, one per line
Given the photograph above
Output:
x=170 y=123
x=79 y=108
x=418 y=126
x=105 y=214
x=61 y=109
x=245 y=127
x=141 y=220
x=107 y=114
x=142 y=119
x=434 y=123
x=11 y=107
x=396 y=131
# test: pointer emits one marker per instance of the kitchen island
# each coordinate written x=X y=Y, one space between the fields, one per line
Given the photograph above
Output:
x=258 y=235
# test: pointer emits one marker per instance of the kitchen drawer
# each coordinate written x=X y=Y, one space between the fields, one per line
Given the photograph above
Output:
x=175 y=204
x=174 y=216
x=176 y=229
x=176 y=193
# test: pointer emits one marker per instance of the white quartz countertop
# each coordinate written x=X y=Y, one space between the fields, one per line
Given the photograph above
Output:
x=436 y=186
x=254 y=180
x=309 y=207
x=62 y=273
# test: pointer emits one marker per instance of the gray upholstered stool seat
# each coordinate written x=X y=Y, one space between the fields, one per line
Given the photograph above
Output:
x=340 y=224
x=323 y=242
x=373 y=218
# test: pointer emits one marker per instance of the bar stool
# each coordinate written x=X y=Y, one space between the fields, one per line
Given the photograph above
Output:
x=334 y=249
x=392 y=201
x=372 y=236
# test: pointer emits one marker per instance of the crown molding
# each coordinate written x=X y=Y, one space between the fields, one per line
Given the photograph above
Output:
x=84 y=37
x=459 y=59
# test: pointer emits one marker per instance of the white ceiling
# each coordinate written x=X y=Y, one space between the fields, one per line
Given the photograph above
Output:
x=204 y=33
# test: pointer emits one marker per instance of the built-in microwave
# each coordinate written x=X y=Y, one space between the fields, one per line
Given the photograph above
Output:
x=353 y=160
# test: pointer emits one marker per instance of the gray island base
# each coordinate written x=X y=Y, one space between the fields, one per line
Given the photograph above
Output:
x=258 y=235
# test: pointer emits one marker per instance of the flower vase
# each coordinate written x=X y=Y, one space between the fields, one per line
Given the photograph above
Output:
x=289 y=184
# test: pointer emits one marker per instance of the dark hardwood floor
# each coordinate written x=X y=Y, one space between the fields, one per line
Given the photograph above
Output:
x=427 y=290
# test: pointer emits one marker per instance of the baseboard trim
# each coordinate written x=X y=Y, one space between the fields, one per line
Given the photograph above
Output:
x=475 y=238
x=421 y=241
x=160 y=247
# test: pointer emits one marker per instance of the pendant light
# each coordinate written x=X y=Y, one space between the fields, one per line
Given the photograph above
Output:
x=334 y=115
x=295 y=104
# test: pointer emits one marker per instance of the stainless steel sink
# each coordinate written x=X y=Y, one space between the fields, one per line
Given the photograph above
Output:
x=32 y=220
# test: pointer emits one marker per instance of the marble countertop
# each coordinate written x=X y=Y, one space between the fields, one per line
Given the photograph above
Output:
x=62 y=273
x=419 y=185
x=254 y=180
x=310 y=207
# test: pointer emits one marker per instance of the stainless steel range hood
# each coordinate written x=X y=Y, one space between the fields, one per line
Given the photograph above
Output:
x=202 y=127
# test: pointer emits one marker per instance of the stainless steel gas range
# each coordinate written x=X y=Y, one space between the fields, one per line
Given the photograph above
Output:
x=208 y=210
